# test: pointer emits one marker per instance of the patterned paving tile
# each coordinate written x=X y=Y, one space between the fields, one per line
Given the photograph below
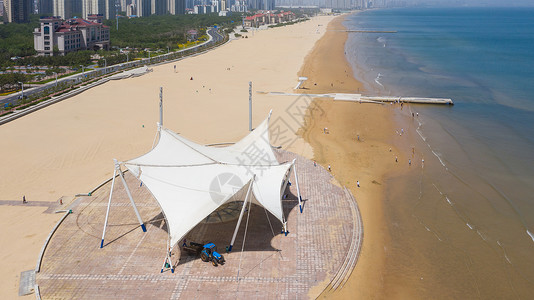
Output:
x=128 y=267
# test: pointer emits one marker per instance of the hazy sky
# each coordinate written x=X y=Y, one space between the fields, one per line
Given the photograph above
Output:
x=476 y=2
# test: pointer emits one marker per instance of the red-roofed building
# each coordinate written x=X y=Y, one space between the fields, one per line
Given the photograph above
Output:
x=70 y=35
x=267 y=17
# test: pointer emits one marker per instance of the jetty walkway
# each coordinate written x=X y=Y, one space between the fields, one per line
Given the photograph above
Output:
x=371 y=99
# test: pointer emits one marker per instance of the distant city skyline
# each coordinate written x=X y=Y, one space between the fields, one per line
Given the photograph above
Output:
x=19 y=10
x=399 y=3
x=496 y=3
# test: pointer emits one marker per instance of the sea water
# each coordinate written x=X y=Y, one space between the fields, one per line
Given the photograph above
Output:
x=462 y=224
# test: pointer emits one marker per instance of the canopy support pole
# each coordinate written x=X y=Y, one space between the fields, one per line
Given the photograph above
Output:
x=287 y=181
x=241 y=213
x=250 y=106
x=158 y=134
x=167 y=260
x=109 y=205
x=297 y=183
x=161 y=105
x=118 y=168
x=284 y=221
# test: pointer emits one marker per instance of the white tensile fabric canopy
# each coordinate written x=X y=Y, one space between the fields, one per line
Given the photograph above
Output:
x=190 y=181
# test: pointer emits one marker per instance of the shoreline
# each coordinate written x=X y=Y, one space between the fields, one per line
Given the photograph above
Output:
x=357 y=149
x=386 y=161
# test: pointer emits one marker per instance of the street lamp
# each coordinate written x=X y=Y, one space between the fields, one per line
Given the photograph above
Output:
x=83 y=70
x=22 y=85
x=105 y=66
x=168 y=50
x=127 y=58
x=56 y=77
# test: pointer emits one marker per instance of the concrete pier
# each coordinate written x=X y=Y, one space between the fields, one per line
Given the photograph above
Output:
x=369 y=31
x=408 y=99
x=372 y=99
x=372 y=31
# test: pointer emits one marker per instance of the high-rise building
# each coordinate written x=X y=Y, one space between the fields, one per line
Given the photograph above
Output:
x=176 y=7
x=63 y=9
x=111 y=9
x=268 y=4
x=17 y=11
x=130 y=9
x=106 y=8
x=261 y=4
x=92 y=7
x=143 y=7
x=46 y=7
x=158 y=7
x=77 y=8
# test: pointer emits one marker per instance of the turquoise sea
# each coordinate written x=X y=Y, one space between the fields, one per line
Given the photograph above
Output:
x=462 y=226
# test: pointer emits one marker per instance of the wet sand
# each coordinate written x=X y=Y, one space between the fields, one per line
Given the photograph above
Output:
x=419 y=242
x=368 y=160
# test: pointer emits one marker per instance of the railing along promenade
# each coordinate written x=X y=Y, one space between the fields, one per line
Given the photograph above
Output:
x=80 y=82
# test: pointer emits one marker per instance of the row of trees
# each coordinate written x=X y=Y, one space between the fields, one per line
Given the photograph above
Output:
x=153 y=32
x=160 y=32
x=70 y=59
x=10 y=81
x=16 y=39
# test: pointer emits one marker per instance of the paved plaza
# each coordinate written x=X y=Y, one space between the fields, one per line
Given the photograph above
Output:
x=318 y=253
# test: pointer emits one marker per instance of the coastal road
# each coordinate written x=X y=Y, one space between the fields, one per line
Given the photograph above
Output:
x=216 y=36
x=213 y=32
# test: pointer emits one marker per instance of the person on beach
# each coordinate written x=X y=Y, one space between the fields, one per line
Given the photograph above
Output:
x=24 y=199
x=314 y=163
x=358 y=137
x=422 y=162
x=358 y=183
x=329 y=169
x=174 y=68
x=409 y=162
x=396 y=159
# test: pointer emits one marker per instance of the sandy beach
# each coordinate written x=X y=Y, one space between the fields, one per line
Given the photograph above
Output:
x=357 y=149
x=67 y=148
